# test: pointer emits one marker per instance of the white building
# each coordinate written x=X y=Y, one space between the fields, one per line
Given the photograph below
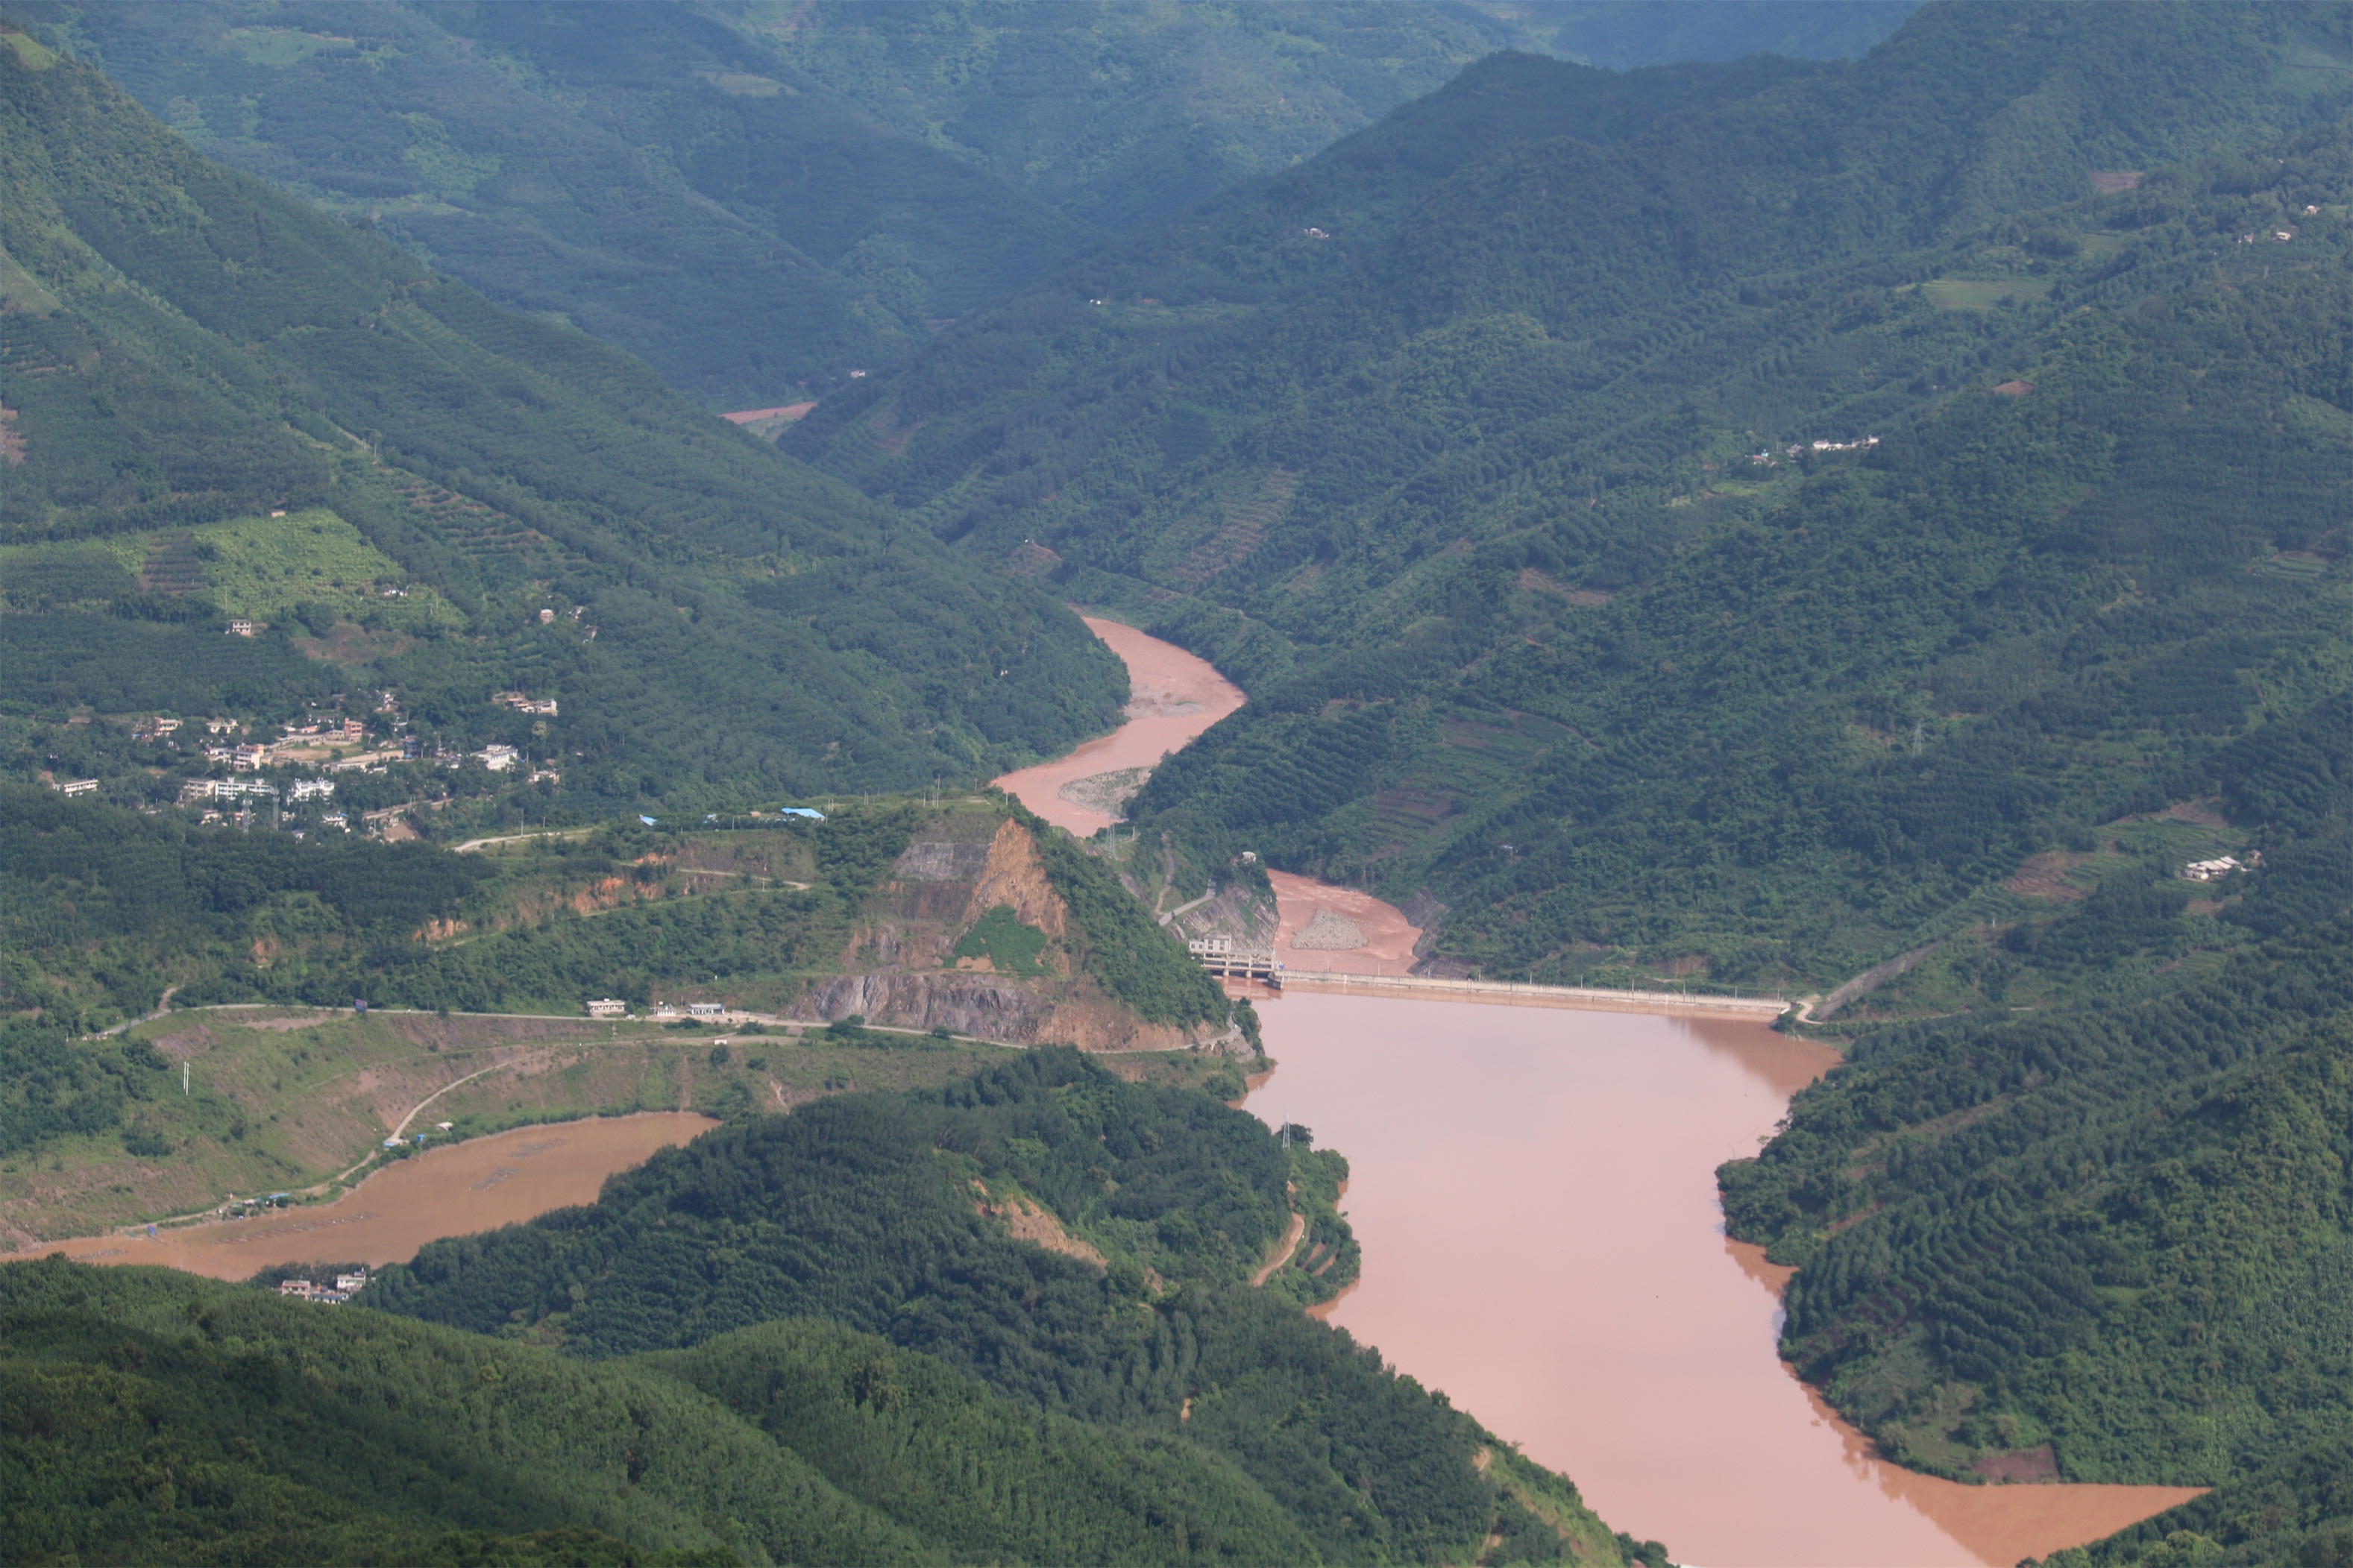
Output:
x=607 y=1007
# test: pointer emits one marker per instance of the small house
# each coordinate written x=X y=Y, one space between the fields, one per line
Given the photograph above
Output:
x=607 y=1007
x=706 y=1009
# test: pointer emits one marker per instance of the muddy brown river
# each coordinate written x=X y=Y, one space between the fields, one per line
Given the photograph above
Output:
x=1172 y=698
x=479 y=1184
x=1534 y=1192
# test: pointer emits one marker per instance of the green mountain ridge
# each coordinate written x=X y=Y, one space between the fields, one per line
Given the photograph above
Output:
x=159 y=1417
x=1141 y=1404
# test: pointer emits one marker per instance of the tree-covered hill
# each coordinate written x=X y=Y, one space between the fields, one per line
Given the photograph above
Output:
x=862 y=1210
x=491 y=501
x=705 y=1393
x=1466 y=446
x=153 y=1417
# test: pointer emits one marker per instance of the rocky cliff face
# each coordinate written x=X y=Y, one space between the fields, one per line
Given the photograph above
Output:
x=955 y=872
x=1014 y=874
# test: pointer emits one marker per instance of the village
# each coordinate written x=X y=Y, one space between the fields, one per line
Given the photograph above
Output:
x=250 y=769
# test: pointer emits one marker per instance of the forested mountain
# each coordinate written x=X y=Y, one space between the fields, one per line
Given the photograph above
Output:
x=635 y=174
x=218 y=401
x=1466 y=448
x=1123 y=1398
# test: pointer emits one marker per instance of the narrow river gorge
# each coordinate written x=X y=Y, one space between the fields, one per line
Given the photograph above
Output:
x=1535 y=1192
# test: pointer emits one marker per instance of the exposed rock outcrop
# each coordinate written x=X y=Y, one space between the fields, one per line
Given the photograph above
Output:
x=1014 y=874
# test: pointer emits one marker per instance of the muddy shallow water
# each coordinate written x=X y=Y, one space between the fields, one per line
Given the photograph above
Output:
x=479 y=1184
x=1535 y=1194
x=1172 y=697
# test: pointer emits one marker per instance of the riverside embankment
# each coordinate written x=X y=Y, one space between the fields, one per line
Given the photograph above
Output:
x=1534 y=1189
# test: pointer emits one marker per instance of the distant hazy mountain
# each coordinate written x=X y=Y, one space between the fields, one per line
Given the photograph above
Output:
x=1623 y=34
x=758 y=199
x=752 y=202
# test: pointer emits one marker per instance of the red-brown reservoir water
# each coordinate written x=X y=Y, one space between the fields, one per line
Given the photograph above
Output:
x=1535 y=1194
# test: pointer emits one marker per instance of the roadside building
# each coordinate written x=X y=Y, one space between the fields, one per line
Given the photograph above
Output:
x=607 y=1007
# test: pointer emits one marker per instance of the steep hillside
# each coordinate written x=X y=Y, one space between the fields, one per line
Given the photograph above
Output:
x=1120 y=113
x=157 y=1417
x=219 y=401
x=510 y=181
x=1488 y=493
x=1620 y=35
